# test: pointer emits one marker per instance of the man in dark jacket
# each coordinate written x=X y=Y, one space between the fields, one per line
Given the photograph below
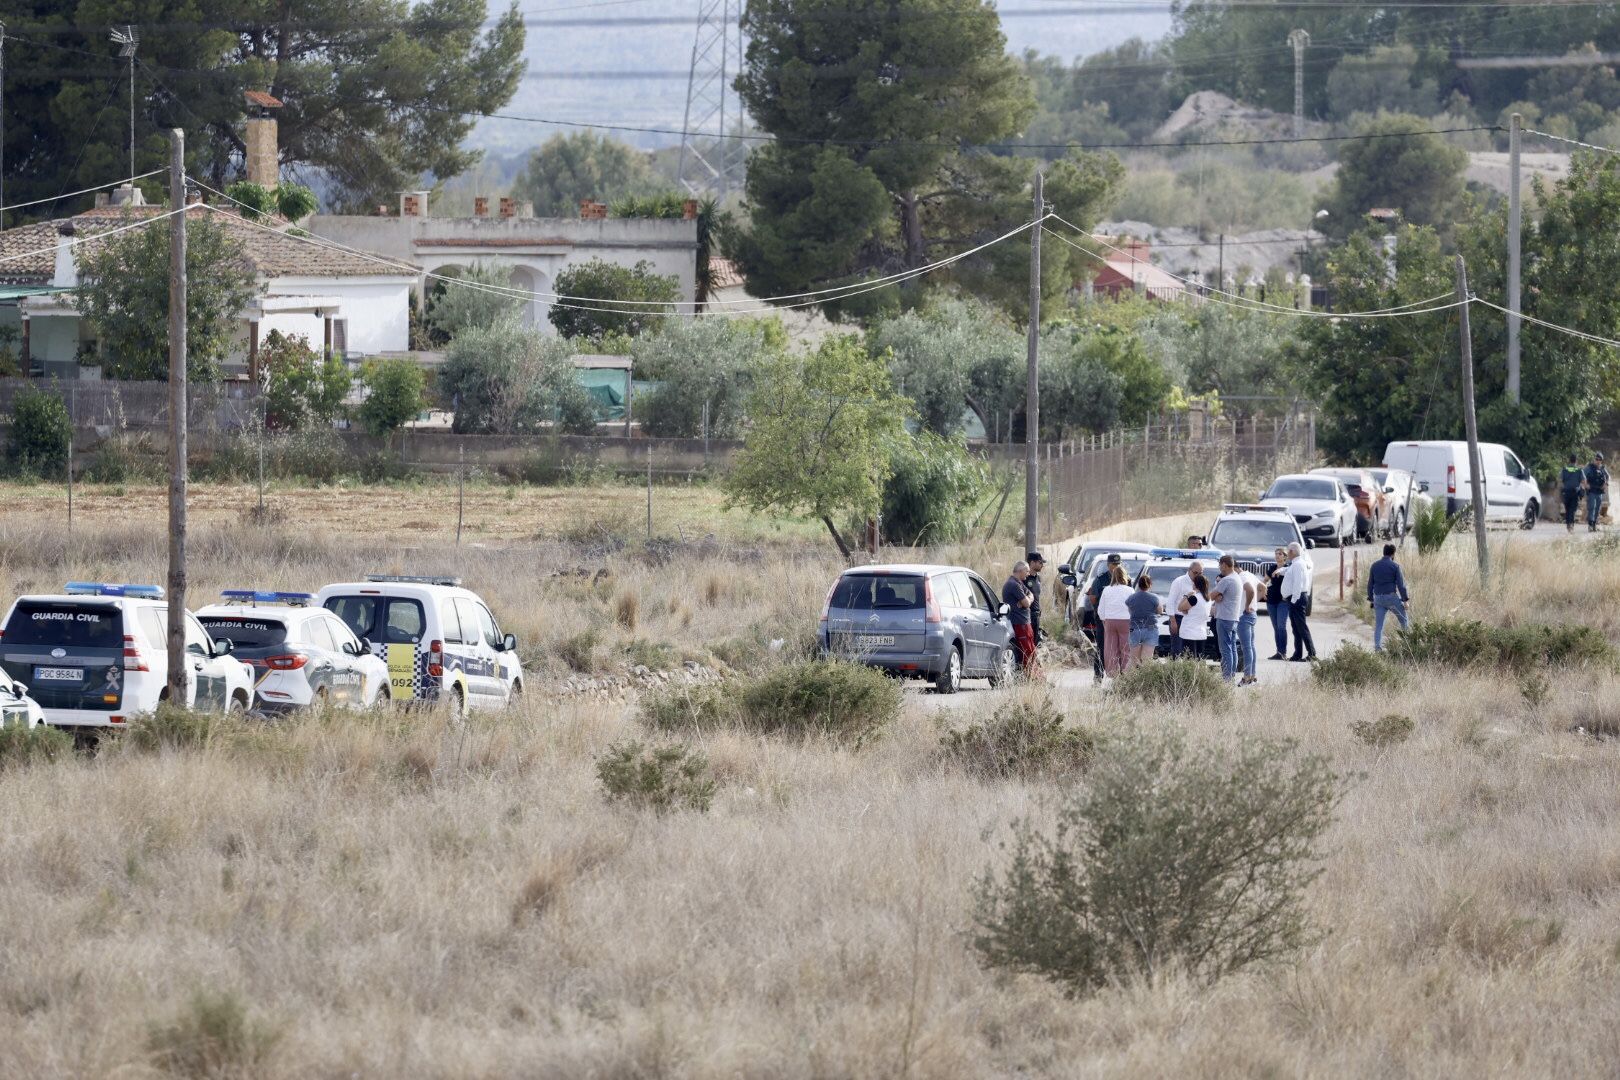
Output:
x=1597 y=483
x=1570 y=478
x=1037 y=563
x=1386 y=592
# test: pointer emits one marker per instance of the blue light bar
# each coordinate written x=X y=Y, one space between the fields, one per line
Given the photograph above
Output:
x=265 y=596
x=97 y=588
x=1183 y=553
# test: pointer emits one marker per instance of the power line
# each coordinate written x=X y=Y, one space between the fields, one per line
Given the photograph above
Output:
x=81 y=191
x=1572 y=142
x=1571 y=331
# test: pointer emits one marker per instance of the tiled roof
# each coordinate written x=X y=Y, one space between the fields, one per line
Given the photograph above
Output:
x=726 y=274
x=36 y=244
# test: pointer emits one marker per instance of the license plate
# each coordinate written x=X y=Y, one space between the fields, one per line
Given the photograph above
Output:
x=875 y=639
x=60 y=674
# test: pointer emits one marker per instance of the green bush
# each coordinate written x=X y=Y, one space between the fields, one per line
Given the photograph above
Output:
x=41 y=431
x=1168 y=858
x=394 y=397
x=657 y=778
x=1470 y=643
x=1355 y=668
x=704 y=707
x=1390 y=730
x=118 y=462
x=22 y=746
x=213 y=1036
x=1175 y=682
x=849 y=702
x=1432 y=525
x=932 y=491
x=1021 y=738
x=170 y=727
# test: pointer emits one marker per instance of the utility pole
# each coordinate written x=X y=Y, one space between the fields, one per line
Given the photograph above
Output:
x=1299 y=39
x=1220 y=267
x=1476 y=477
x=1032 y=388
x=3 y=128
x=177 y=418
x=1515 y=239
x=126 y=40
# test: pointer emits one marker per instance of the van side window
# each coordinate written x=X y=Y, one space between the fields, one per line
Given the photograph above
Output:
x=198 y=643
x=492 y=632
x=154 y=624
x=1515 y=468
x=471 y=634
x=451 y=621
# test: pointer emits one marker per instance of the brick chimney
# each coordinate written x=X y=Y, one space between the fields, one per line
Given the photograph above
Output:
x=263 y=157
x=508 y=206
x=590 y=208
x=481 y=206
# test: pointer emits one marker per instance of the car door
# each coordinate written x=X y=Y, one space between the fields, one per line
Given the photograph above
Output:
x=325 y=669
x=1500 y=494
x=505 y=663
x=997 y=631
x=480 y=657
x=349 y=673
x=207 y=685
x=1519 y=481
x=970 y=616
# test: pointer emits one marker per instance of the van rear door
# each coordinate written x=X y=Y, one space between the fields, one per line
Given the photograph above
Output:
x=875 y=614
x=69 y=653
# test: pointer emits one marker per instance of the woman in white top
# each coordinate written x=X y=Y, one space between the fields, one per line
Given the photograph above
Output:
x=1116 y=616
x=1195 y=612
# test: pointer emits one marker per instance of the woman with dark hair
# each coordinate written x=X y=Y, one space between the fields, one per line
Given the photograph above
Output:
x=1195 y=612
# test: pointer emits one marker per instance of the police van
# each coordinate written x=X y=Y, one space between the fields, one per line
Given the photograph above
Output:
x=95 y=654
x=301 y=655
x=440 y=641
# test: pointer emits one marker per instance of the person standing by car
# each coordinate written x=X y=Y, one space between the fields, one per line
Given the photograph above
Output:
x=1571 y=479
x=1193 y=630
x=1179 y=589
x=1597 y=485
x=1019 y=600
x=1037 y=563
x=1296 y=593
x=1276 y=606
x=1386 y=592
x=1144 y=608
x=1229 y=597
x=1094 y=594
x=1113 y=607
x=1246 y=621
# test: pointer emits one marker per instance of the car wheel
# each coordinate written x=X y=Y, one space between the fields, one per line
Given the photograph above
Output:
x=1532 y=512
x=384 y=698
x=237 y=706
x=1006 y=667
x=949 y=681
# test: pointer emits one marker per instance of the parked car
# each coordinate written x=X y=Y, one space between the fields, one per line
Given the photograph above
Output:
x=1076 y=574
x=943 y=623
x=301 y=656
x=1252 y=535
x=1402 y=498
x=1164 y=572
x=17 y=709
x=94 y=655
x=441 y=642
x=1372 y=513
x=1321 y=506
x=1442 y=469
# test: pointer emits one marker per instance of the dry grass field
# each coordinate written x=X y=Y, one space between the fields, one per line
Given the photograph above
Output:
x=401 y=896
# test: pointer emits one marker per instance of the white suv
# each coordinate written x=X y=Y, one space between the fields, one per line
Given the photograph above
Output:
x=440 y=641
x=300 y=655
x=95 y=655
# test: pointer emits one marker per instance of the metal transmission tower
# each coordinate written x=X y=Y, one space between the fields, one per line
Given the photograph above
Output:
x=127 y=39
x=1299 y=39
x=709 y=162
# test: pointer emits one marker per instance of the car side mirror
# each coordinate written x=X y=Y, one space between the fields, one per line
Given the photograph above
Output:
x=1389 y=491
x=223 y=647
x=1069 y=579
x=509 y=643
x=1423 y=486
x=1309 y=543
x=351 y=649
x=365 y=645
x=1003 y=611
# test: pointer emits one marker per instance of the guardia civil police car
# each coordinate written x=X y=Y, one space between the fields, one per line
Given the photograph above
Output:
x=301 y=655
x=95 y=654
x=17 y=709
x=440 y=641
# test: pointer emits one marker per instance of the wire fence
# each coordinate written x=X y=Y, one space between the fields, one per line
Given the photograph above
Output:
x=113 y=405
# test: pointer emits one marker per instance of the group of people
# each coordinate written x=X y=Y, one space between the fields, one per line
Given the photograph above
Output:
x=1591 y=481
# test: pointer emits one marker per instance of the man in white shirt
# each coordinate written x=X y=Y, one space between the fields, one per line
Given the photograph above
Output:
x=1179 y=589
x=1296 y=594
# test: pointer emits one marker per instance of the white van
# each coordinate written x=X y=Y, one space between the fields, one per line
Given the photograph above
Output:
x=1442 y=469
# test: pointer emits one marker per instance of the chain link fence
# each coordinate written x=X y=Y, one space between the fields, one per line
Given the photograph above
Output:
x=114 y=406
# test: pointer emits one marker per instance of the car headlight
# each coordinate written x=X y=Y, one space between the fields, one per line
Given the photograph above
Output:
x=1324 y=513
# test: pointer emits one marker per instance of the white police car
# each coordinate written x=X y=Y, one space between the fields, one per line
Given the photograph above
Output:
x=94 y=655
x=440 y=641
x=17 y=709
x=301 y=655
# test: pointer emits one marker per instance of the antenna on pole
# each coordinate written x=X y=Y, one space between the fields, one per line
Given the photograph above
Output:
x=707 y=166
x=127 y=38
x=1299 y=39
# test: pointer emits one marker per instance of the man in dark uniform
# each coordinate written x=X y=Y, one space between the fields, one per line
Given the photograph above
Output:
x=1033 y=583
x=1570 y=480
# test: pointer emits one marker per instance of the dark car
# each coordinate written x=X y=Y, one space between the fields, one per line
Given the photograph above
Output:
x=942 y=623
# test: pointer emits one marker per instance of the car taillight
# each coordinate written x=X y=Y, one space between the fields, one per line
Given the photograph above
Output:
x=289 y=662
x=826 y=607
x=436 y=658
x=133 y=660
x=928 y=599
x=1451 y=479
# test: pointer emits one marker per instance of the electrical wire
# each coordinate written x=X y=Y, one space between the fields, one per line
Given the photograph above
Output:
x=101 y=235
x=82 y=191
x=1572 y=142
x=1571 y=331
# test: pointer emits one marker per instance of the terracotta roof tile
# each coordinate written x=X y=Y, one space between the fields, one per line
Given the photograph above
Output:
x=37 y=244
x=726 y=274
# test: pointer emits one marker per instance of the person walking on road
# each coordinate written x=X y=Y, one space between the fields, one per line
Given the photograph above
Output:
x=1386 y=592
x=1144 y=608
x=1597 y=485
x=1246 y=621
x=1297 y=594
x=1114 y=610
x=1094 y=594
x=1193 y=629
x=1229 y=598
x=1276 y=606
x=1179 y=589
x=1572 y=478
x=1019 y=600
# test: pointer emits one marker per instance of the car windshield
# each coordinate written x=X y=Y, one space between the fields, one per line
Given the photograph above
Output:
x=1253 y=534
x=1301 y=488
x=878 y=592
x=245 y=632
x=70 y=625
x=1380 y=477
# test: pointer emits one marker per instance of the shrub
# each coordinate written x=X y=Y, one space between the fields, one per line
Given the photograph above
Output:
x=394 y=394
x=705 y=707
x=1469 y=642
x=657 y=778
x=1432 y=525
x=1177 y=682
x=1355 y=668
x=22 y=746
x=932 y=490
x=213 y=1036
x=1390 y=730
x=851 y=702
x=170 y=727
x=41 y=431
x=579 y=651
x=1021 y=738
x=1168 y=857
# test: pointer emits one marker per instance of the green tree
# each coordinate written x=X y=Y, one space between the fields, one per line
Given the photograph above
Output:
x=951 y=356
x=292 y=201
x=1421 y=176
x=302 y=388
x=375 y=93
x=124 y=294
x=821 y=428
x=484 y=300
x=566 y=169
x=629 y=300
x=509 y=379
x=1230 y=351
x=933 y=487
x=394 y=394
x=41 y=430
x=1385 y=79
x=698 y=361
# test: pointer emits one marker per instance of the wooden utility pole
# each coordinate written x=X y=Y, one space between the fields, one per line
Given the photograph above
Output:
x=178 y=670
x=1476 y=474
x=1515 y=239
x=1032 y=388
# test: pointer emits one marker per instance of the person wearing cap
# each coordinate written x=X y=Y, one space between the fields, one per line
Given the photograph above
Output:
x=1037 y=563
x=1094 y=591
x=1597 y=485
x=1572 y=479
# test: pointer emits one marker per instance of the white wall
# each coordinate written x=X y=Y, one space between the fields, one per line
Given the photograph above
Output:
x=378 y=309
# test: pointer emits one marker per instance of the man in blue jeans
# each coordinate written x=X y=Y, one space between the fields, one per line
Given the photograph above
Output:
x=1597 y=483
x=1228 y=596
x=1386 y=592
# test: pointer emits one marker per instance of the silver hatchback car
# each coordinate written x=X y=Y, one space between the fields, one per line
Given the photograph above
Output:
x=941 y=623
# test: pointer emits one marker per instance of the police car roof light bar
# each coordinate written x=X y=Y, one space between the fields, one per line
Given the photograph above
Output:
x=265 y=596
x=414 y=579
x=1183 y=553
x=1244 y=508
x=97 y=588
